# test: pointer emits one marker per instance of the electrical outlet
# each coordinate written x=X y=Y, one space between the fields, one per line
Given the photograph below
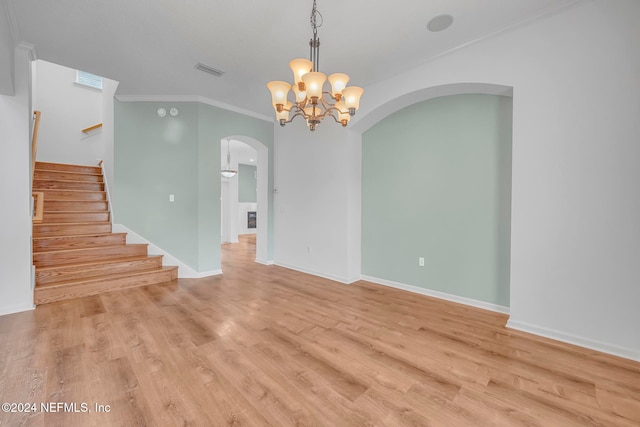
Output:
x=171 y=198
x=421 y=262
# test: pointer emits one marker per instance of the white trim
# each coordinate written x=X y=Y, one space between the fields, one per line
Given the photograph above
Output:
x=589 y=343
x=315 y=273
x=16 y=309
x=30 y=49
x=440 y=295
x=263 y=262
x=85 y=86
x=184 y=271
x=201 y=274
x=193 y=98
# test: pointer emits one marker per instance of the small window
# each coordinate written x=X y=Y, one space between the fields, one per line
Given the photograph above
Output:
x=86 y=79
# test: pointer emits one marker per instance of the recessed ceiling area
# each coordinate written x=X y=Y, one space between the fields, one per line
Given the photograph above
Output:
x=151 y=47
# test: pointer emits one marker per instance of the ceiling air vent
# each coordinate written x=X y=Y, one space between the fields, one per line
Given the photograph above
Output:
x=207 y=69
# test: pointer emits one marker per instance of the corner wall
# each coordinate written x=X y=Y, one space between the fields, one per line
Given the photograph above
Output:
x=15 y=175
x=158 y=156
x=317 y=225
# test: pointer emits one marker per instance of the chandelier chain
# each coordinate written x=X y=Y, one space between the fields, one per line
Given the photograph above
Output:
x=315 y=14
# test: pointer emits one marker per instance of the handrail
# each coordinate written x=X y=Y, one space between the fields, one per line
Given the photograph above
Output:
x=38 y=212
x=106 y=189
x=92 y=128
x=34 y=142
x=38 y=196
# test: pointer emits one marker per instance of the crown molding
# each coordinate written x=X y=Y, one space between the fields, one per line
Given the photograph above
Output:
x=30 y=49
x=193 y=98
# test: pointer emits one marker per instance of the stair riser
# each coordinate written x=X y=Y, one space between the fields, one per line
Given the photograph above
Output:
x=50 y=259
x=66 y=176
x=51 y=294
x=46 y=230
x=61 y=217
x=63 y=274
x=80 y=242
x=68 y=168
x=75 y=205
x=68 y=185
x=58 y=195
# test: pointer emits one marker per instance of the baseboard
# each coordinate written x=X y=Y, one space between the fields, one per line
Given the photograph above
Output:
x=16 y=309
x=184 y=271
x=201 y=275
x=315 y=273
x=437 y=294
x=263 y=262
x=553 y=334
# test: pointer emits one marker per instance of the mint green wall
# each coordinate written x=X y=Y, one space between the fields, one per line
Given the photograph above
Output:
x=215 y=124
x=155 y=157
x=247 y=184
x=436 y=183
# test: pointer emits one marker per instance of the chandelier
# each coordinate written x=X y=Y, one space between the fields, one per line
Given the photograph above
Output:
x=311 y=101
x=228 y=172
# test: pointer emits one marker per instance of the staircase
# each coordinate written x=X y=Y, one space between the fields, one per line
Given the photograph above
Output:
x=74 y=250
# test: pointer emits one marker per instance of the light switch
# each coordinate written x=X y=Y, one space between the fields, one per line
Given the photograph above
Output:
x=171 y=198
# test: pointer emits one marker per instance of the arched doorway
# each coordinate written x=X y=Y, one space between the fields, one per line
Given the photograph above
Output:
x=262 y=174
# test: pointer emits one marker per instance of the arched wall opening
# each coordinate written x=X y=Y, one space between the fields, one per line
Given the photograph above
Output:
x=262 y=163
x=436 y=193
x=377 y=113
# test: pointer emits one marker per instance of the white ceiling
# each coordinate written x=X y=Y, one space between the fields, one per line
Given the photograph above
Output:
x=152 y=46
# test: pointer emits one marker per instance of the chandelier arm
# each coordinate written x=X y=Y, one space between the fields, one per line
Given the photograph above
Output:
x=335 y=118
x=325 y=104
x=297 y=114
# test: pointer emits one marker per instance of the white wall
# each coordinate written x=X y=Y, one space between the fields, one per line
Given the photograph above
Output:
x=575 y=232
x=7 y=52
x=315 y=224
x=67 y=108
x=229 y=207
x=15 y=215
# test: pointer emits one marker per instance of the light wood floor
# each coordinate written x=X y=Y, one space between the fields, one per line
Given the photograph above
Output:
x=270 y=346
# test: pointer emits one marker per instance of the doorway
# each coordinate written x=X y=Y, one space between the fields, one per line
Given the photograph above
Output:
x=244 y=197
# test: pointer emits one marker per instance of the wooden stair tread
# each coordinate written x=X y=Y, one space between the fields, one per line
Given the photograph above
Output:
x=74 y=212
x=72 y=236
x=95 y=263
x=72 y=190
x=77 y=241
x=48 y=224
x=74 y=200
x=66 y=181
x=40 y=164
x=106 y=277
x=92 y=248
x=37 y=169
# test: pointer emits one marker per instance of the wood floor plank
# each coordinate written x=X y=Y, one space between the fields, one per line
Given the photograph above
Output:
x=264 y=345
